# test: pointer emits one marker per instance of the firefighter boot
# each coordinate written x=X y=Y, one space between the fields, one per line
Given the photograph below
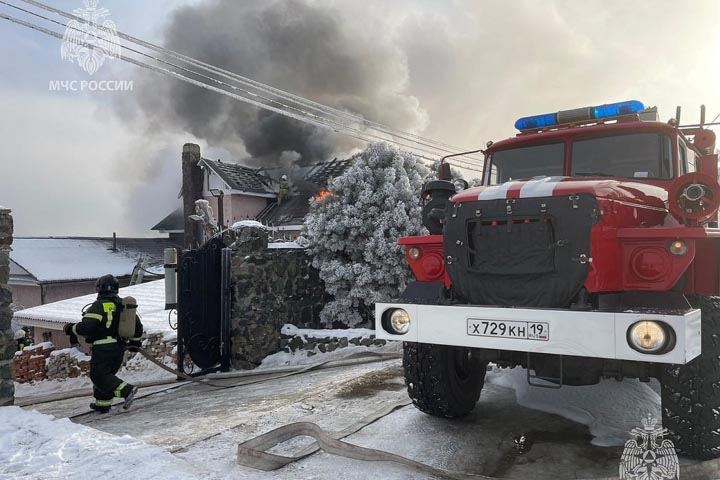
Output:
x=130 y=398
x=100 y=408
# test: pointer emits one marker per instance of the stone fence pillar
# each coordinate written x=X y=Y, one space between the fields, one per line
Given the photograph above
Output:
x=271 y=287
x=7 y=339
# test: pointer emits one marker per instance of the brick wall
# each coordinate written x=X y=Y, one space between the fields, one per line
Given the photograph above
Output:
x=30 y=364
x=7 y=340
x=47 y=362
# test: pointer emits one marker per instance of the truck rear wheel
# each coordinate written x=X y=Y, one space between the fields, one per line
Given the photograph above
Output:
x=691 y=392
x=442 y=380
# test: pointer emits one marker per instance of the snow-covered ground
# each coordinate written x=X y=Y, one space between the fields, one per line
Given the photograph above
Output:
x=610 y=409
x=289 y=329
x=37 y=446
x=284 y=359
x=202 y=426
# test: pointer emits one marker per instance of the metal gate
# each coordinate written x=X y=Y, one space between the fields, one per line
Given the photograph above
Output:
x=203 y=306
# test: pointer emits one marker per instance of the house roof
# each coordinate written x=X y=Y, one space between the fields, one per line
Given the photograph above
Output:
x=174 y=222
x=56 y=259
x=293 y=210
x=322 y=172
x=306 y=181
x=150 y=300
x=241 y=178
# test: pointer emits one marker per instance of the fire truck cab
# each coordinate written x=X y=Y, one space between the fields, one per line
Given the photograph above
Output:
x=591 y=250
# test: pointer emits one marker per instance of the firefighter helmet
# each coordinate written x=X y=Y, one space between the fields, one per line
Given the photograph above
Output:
x=107 y=284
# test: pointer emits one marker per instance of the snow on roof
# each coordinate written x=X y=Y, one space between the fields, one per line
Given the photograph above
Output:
x=151 y=308
x=58 y=259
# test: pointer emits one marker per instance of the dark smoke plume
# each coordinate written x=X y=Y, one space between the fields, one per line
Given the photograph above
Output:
x=299 y=46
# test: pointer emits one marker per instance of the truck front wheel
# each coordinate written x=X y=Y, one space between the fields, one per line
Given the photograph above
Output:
x=442 y=380
x=691 y=392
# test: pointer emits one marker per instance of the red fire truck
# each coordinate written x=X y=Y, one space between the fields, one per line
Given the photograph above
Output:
x=590 y=251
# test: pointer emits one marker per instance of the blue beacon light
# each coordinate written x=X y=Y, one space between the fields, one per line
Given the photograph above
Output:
x=618 y=109
x=609 y=110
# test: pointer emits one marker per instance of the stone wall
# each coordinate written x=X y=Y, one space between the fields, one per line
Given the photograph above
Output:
x=271 y=287
x=313 y=342
x=7 y=339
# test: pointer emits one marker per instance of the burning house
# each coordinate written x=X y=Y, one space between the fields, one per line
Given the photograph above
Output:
x=277 y=196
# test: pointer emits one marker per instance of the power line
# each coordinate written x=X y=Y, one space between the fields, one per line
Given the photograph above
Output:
x=272 y=90
x=314 y=120
x=358 y=136
x=263 y=87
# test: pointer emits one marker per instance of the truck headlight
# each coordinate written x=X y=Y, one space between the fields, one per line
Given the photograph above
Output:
x=399 y=321
x=648 y=336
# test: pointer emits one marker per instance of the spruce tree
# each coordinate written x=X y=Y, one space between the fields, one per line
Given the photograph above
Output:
x=352 y=233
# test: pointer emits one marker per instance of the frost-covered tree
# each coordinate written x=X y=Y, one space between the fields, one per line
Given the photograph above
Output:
x=352 y=233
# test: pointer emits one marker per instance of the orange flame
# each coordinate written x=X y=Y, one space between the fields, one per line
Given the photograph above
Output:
x=324 y=193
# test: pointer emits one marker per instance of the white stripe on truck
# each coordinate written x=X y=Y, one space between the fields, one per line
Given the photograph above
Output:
x=541 y=187
x=496 y=191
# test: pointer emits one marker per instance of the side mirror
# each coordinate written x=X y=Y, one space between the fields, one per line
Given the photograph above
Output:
x=461 y=185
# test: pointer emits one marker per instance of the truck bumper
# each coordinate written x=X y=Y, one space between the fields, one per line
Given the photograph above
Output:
x=562 y=332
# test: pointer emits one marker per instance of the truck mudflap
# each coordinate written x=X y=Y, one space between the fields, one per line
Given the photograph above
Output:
x=552 y=331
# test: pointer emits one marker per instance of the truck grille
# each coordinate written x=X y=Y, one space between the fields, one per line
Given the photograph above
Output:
x=511 y=247
x=519 y=252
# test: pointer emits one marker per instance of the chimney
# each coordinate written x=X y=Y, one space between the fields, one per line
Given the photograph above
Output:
x=192 y=185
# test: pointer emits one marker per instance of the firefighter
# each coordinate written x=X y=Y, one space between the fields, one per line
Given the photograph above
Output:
x=284 y=192
x=99 y=326
x=22 y=340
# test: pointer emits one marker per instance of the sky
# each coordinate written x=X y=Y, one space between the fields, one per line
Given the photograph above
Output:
x=458 y=71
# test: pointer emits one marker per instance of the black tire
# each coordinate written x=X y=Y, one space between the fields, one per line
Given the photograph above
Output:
x=691 y=392
x=441 y=380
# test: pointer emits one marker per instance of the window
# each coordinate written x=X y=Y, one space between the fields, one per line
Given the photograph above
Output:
x=636 y=155
x=691 y=160
x=683 y=158
x=526 y=162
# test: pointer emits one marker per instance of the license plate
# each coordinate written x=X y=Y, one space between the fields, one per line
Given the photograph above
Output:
x=508 y=329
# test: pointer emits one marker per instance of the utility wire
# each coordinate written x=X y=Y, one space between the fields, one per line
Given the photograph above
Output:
x=319 y=123
x=263 y=87
x=425 y=142
x=209 y=78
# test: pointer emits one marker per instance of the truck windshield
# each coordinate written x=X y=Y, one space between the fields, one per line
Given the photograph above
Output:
x=637 y=155
x=526 y=162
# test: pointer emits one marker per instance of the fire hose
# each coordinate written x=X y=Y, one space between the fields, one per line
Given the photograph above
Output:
x=253 y=453
x=352 y=359
x=190 y=378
